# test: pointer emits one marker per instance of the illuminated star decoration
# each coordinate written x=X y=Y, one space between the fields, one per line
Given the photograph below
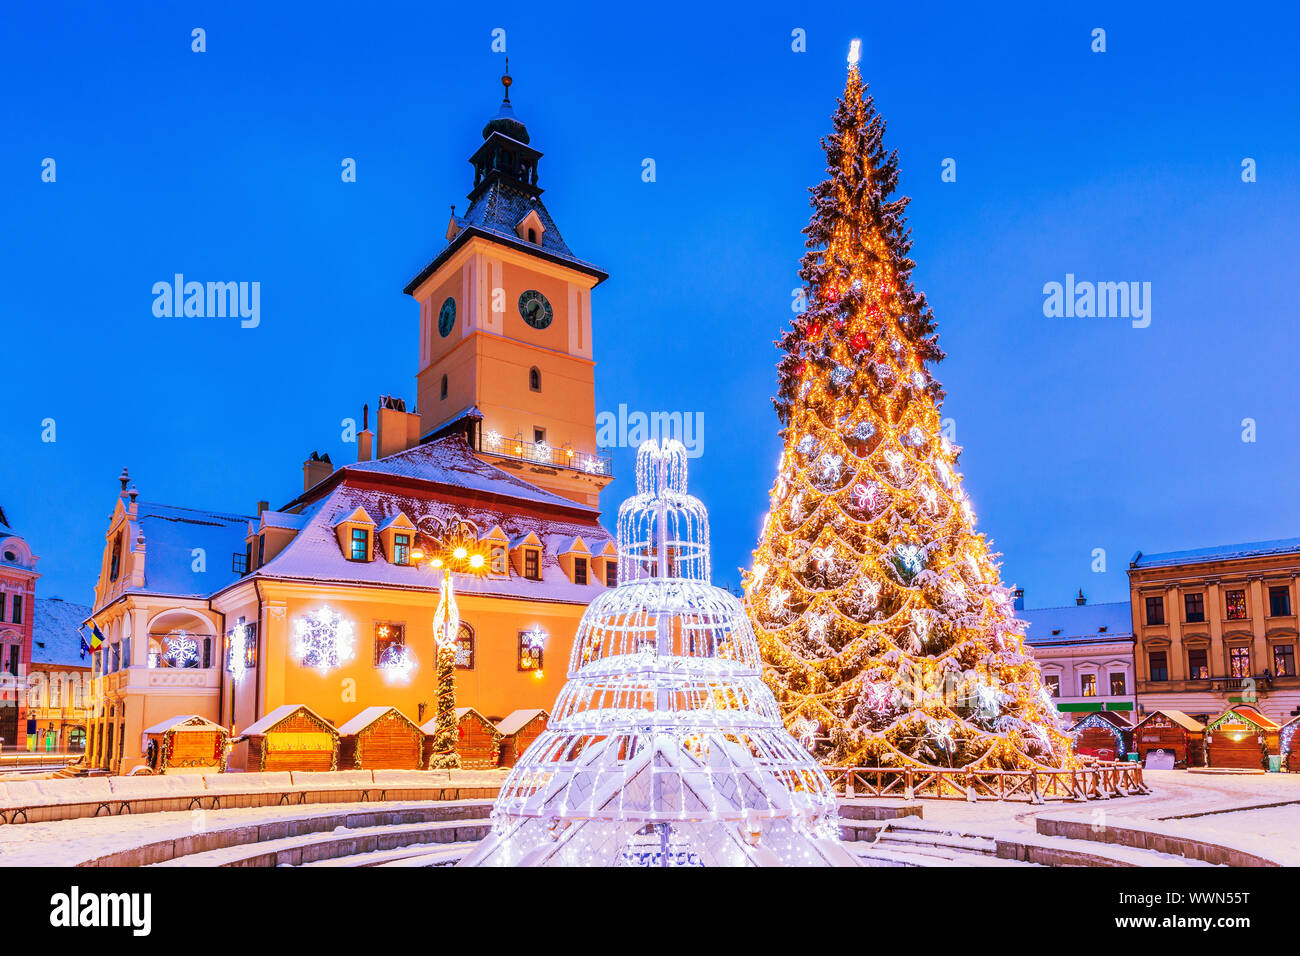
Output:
x=323 y=640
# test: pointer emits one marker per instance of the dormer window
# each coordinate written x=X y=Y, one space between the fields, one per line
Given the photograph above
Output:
x=611 y=574
x=579 y=570
x=356 y=535
x=360 y=549
x=397 y=538
x=532 y=564
x=531 y=228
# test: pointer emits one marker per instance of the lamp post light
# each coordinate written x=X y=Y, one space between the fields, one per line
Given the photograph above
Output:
x=454 y=547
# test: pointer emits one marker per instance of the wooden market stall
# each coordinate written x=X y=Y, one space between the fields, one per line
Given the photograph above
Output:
x=1241 y=738
x=1102 y=734
x=478 y=742
x=291 y=737
x=1290 y=756
x=1172 y=731
x=186 y=744
x=519 y=729
x=381 y=738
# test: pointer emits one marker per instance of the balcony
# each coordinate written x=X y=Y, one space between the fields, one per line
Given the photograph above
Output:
x=540 y=453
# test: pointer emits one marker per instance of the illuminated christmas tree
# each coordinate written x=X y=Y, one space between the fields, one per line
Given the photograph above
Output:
x=887 y=637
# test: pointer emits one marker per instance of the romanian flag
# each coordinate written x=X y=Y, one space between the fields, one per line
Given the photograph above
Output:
x=96 y=640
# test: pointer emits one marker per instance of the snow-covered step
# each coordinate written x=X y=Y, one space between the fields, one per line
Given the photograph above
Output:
x=412 y=854
x=939 y=841
x=341 y=842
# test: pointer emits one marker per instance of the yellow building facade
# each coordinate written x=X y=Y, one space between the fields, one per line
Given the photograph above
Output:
x=320 y=602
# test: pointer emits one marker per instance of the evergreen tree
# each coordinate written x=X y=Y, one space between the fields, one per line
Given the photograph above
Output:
x=886 y=635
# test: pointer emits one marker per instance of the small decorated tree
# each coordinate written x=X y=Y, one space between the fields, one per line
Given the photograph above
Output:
x=886 y=635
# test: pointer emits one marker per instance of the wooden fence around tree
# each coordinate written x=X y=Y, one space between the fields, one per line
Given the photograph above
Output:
x=1098 y=781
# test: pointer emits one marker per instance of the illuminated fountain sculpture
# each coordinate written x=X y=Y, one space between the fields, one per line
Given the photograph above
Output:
x=665 y=747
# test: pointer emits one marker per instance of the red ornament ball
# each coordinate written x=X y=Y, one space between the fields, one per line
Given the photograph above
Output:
x=859 y=342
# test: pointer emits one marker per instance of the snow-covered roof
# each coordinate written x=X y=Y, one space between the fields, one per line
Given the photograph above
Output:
x=282 y=519
x=431 y=726
x=55 y=638
x=260 y=727
x=494 y=215
x=1177 y=716
x=1078 y=624
x=450 y=462
x=314 y=553
x=1110 y=716
x=1249 y=714
x=367 y=717
x=184 y=722
x=1226 y=552
x=170 y=536
x=517 y=719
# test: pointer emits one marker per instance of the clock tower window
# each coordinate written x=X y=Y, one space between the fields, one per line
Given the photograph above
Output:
x=443 y=388
x=535 y=379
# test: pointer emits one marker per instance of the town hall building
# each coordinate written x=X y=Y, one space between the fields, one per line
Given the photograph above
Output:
x=323 y=602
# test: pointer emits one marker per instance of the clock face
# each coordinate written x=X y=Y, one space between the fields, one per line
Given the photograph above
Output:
x=447 y=317
x=535 y=310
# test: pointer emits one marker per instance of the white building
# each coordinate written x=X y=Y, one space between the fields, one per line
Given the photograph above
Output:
x=1086 y=653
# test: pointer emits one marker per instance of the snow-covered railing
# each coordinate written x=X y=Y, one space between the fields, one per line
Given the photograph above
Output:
x=38 y=801
x=542 y=453
x=1098 y=781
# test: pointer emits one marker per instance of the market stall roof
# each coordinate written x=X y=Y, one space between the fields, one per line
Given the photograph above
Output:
x=1178 y=717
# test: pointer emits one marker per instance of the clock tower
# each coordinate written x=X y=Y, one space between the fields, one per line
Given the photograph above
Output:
x=505 y=355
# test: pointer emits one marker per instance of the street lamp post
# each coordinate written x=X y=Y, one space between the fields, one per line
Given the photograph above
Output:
x=454 y=547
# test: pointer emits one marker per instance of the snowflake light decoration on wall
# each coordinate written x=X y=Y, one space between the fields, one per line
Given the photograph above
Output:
x=398 y=663
x=182 y=650
x=323 y=640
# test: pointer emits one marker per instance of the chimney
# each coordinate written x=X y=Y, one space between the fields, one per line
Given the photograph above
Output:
x=1080 y=601
x=396 y=426
x=365 y=440
x=1019 y=595
x=265 y=506
x=314 y=470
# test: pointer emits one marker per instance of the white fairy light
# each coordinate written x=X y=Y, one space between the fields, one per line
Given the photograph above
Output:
x=398 y=663
x=665 y=740
x=237 y=665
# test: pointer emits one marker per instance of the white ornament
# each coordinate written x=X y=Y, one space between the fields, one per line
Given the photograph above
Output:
x=830 y=466
x=776 y=599
x=237 y=664
x=894 y=459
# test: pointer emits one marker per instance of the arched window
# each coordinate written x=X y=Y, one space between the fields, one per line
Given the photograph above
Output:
x=444 y=387
x=465 y=647
x=535 y=379
x=116 y=562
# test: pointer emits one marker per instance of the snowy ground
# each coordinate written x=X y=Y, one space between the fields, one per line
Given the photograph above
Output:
x=1242 y=811
x=70 y=842
x=1232 y=808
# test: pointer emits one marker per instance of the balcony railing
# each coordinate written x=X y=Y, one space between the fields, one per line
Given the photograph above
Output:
x=541 y=453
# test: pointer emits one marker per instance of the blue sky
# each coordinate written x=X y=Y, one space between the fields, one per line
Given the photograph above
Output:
x=1079 y=433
